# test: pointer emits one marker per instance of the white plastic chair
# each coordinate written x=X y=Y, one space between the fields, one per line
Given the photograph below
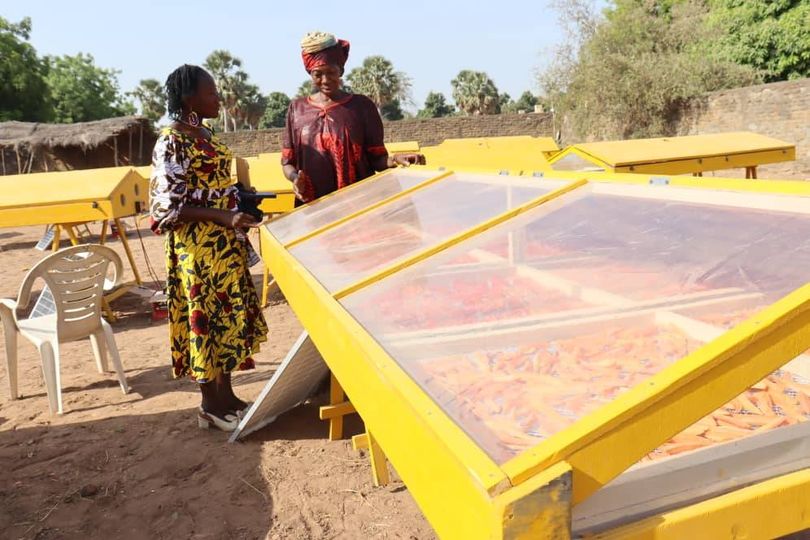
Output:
x=76 y=277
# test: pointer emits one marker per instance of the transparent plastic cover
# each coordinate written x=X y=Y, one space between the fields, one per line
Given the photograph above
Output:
x=523 y=330
x=345 y=202
x=362 y=246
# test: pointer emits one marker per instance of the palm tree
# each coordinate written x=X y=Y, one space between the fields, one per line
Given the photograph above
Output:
x=225 y=68
x=377 y=80
x=152 y=97
x=475 y=93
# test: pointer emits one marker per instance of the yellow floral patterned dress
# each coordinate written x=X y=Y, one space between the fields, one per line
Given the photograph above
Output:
x=215 y=319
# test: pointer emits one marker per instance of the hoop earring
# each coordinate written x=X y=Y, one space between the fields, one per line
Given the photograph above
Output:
x=193 y=119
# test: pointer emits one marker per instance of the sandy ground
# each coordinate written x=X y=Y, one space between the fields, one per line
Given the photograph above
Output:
x=137 y=466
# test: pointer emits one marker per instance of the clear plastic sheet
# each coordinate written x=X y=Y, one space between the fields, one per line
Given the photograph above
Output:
x=368 y=243
x=345 y=202
x=622 y=287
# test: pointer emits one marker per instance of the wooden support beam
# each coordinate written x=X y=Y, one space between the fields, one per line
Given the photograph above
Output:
x=336 y=396
x=328 y=412
x=359 y=442
x=379 y=464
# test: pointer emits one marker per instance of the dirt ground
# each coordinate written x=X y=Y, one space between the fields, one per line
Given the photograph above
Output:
x=137 y=466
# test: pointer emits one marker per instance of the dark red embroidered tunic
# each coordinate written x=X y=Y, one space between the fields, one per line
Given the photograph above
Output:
x=334 y=145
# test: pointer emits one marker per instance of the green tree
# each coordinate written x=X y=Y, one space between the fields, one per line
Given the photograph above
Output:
x=505 y=103
x=152 y=97
x=392 y=111
x=771 y=36
x=24 y=93
x=638 y=68
x=82 y=92
x=475 y=93
x=275 y=114
x=436 y=106
x=250 y=106
x=525 y=102
x=227 y=73
x=377 y=80
x=306 y=89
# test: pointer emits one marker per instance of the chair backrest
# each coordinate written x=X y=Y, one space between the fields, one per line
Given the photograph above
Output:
x=77 y=279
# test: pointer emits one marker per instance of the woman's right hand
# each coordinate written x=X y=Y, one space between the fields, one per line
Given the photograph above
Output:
x=302 y=187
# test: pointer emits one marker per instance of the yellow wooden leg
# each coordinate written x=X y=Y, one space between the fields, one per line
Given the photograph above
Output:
x=72 y=235
x=379 y=466
x=336 y=397
x=123 y=235
x=57 y=233
x=103 y=236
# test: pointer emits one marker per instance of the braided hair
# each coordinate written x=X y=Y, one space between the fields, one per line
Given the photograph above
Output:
x=180 y=84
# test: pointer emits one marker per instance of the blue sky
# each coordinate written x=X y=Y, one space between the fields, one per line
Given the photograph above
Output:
x=431 y=41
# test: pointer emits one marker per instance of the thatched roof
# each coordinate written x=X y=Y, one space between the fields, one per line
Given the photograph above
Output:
x=83 y=134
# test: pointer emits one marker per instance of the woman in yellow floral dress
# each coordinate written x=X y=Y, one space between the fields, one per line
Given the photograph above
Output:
x=215 y=320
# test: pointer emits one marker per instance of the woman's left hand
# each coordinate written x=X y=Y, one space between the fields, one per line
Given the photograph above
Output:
x=406 y=160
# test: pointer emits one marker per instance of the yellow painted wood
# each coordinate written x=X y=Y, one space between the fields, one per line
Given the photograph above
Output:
x=769 y=509
x=608 y=441
x=369 y=208
x=748 y=160
x=122 y=234
x=460 y=237
x=327 y=412
x=683 y=155
x=492 y=154
x=379 y=465
x=359 y=442
x=55 y=213
x=400 y=147
x=336 y=396
x=539 y=509
x=450 y=477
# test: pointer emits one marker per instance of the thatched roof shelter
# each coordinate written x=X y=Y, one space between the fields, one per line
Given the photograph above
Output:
x=35 y=147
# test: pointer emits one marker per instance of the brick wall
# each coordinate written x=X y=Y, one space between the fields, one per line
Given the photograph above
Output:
x=427 y=132
x=780 y=110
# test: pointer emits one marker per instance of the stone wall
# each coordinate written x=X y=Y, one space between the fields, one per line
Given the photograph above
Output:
x=780 y=110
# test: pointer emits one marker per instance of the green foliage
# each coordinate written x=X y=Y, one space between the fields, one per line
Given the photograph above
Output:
x=436 y=106
x=306 y=89
x=24 y=93
x=505 y=103
x=82 y=92
x=152 y=97
x=525 y=102
x=770 y=35
x=275 y=114
x=475 y=93
x=392 y=111
x=242 y=103
x=638 y=68
x=377 y=80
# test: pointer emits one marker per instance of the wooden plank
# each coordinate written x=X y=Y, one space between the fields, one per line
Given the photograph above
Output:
x=328 y=412
x=379 y=465
x=359 y=441
x=336 y=396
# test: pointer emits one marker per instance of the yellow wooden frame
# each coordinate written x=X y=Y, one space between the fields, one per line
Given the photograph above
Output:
x=769 y=509
x=461 y=490
x=696 y=165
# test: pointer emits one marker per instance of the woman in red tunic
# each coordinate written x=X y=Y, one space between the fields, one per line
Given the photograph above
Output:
x=332 y=138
